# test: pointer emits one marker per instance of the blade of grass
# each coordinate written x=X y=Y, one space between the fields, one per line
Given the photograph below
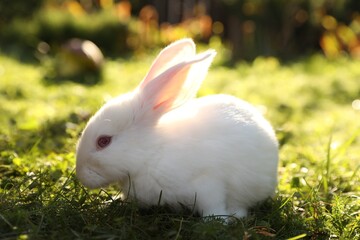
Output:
x=326 y=174
x=345 y=146
x=298 y=237
x=6 y=221
x=179 y=230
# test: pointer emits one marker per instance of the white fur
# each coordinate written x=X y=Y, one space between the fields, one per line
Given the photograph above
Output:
x=216 y=153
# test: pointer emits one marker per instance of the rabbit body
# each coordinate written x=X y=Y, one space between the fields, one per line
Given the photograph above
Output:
x=216 y=153
x=221 y=167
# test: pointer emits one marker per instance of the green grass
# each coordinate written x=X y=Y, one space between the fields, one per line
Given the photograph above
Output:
x=309 y=102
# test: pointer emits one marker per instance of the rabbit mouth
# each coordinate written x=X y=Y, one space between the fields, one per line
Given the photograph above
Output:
x=91 y=178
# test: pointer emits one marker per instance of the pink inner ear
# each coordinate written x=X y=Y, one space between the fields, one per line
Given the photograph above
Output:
x=177 y=84
x=161 y=104
x=173 y=54
x=164 y=90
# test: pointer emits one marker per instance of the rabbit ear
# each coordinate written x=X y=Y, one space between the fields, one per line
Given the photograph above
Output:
x=176 y=85
x=173 y=54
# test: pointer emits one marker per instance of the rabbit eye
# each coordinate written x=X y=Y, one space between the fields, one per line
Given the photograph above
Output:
x=103 y=142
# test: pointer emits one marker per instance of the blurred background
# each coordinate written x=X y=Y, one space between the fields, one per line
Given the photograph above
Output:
x=247 y=28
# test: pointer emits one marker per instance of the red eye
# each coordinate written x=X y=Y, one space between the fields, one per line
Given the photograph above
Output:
x=103 y=142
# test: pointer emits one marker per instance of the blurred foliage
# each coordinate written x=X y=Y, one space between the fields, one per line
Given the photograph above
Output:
x=290 y=28
x=10 y=9
x=55 y=27
x=250 y=28
x=339 y=37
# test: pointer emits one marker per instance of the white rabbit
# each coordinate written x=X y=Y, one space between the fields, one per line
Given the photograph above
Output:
x=216 y=153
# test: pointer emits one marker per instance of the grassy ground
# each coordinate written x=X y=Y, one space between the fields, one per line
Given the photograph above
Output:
x=310 y=103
